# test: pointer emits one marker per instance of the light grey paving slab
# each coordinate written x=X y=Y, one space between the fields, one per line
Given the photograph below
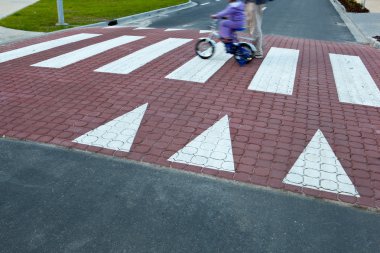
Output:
x=200 y=70
x=277 y=72
x=117 y=134
x=368 y=23
x=318 y=168
x=43 y=46
x=86 y=52
x=139 y=58
x=353 y=81
x=212 y=149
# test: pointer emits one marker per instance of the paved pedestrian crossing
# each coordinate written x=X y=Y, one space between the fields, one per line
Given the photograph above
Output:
x=316 y=166
x=353 y=81
x=43 y=46
x=138 y=59
x=276 y=73
x=199 y=70
x=86 y=52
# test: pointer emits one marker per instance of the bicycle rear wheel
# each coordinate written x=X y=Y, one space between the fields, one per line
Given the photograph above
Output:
x=244 y=54
x=204 y=48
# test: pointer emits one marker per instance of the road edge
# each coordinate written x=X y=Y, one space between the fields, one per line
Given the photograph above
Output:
x=146 y=15
x=359 y=36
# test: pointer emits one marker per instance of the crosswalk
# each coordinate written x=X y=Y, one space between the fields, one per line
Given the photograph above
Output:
x=36 y=48
x=276 y=73
x=199 y=70
x=86 y=52
x=317 y=167
x=139 y=58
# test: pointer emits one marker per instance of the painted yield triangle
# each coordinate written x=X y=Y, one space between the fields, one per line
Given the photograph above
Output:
x=212 y=149
x=118 y=134
x=318 y=168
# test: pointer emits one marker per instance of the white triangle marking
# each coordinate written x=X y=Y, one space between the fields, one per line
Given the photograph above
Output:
x=318 y=168
x=212 y=149
x=118 y=134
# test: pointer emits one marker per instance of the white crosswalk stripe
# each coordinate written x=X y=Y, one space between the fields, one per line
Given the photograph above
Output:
x=139 y=58
x=43 y=46
x=353 y=81
x=86 y=52
x=200 y=70
x=277 y=72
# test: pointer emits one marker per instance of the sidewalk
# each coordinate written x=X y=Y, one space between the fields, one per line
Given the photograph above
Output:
x=364 y=26
x=369 y=23
x=8 y=7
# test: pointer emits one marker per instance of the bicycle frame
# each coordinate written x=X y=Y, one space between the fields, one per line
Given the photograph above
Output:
x=214 y=36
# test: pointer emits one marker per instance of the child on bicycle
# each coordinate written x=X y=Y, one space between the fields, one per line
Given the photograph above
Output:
x=235 y=19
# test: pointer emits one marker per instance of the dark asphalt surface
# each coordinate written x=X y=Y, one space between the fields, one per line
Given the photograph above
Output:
x=57 y=200
x=311 y=19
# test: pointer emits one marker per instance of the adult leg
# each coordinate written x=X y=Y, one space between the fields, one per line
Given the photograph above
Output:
x=249 y=17
x=257 y=32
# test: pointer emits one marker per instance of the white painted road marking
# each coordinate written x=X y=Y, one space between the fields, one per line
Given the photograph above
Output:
x=173 y=29
x=318 y=168
x=277 y=72
x=43 y=46
x=144 y=28
x=139 y=58
x=212 y=149
x=86 y=52
x=353 y=81
x=117 y=134
x=200 y=70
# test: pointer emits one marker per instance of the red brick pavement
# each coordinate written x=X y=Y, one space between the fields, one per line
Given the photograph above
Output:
x=268 y=131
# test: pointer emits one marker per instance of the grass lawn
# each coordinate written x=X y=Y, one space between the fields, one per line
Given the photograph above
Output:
x=42 y=16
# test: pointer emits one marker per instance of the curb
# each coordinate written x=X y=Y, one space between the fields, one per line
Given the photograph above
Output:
x=146 y=15
x=354 y=29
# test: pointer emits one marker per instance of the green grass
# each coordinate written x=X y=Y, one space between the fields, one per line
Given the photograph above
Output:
x=42 y=16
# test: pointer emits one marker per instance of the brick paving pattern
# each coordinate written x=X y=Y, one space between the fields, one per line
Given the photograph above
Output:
x=268 y=131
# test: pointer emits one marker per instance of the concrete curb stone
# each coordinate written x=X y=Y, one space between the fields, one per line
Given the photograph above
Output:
x=354 y=29
x=147 y=15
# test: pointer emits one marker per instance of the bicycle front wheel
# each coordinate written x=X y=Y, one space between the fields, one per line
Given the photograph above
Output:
x=204 y=48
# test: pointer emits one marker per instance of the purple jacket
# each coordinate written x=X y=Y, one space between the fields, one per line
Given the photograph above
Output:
x=234 y=12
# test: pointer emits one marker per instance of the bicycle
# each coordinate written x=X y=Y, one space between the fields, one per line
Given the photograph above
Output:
x=242 y=51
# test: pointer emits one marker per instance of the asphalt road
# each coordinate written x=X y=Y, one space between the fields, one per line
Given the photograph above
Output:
x=56 y=200
x=311 y=19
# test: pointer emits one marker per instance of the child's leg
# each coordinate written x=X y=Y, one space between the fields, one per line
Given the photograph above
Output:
x=225 y=29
